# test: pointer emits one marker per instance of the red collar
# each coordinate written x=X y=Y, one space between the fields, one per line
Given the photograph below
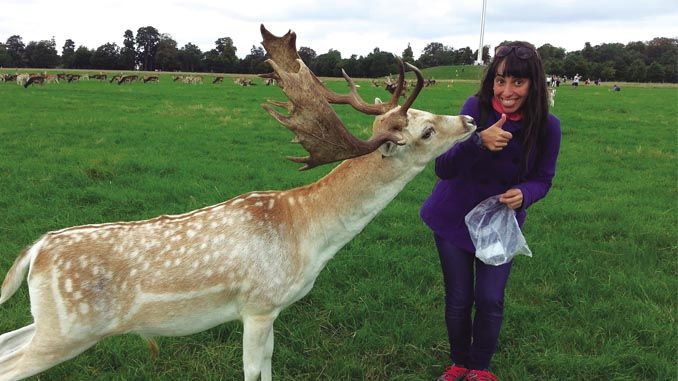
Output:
x=496 y=105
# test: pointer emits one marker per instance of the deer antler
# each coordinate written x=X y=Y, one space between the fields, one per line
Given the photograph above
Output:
x=312 y=119
x=283 y=51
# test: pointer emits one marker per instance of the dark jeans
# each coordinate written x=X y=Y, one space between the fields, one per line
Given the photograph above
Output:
x=472 y=341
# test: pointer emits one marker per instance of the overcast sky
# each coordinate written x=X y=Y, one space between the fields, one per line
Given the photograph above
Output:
x=349 y=26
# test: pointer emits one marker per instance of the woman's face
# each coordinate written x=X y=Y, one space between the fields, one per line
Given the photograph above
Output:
x=510 y=91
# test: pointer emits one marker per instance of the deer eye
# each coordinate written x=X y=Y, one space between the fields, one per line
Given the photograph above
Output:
x=428 y=132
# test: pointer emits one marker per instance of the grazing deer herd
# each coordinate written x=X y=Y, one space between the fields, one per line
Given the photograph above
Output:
x=246 y=258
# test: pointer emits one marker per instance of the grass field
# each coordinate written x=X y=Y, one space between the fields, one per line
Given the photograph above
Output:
x=597 y=301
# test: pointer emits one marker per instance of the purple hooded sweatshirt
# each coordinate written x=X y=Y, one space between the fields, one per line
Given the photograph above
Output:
x=469 y=174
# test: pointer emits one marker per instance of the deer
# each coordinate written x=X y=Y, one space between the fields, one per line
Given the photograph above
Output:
x=151 y=78
x=247 y=258
x=35 y=79
x=127 y=79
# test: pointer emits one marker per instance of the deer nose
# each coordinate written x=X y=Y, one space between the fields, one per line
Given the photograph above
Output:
x=469 y=122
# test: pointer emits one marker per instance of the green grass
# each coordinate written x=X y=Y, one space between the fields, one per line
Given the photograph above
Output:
x=596 y=301
x=455 y=72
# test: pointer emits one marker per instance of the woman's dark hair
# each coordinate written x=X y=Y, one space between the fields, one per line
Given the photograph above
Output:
x=523 y=61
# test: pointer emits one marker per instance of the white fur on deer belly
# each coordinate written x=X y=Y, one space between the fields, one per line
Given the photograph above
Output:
x=178 y=314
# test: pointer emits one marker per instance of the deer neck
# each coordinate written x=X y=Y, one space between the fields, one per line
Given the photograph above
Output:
x=336 y=208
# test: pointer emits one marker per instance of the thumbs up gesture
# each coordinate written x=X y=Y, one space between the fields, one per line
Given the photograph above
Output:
x=494 y=138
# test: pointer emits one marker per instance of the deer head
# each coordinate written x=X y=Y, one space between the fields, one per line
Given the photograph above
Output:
x=311 y=117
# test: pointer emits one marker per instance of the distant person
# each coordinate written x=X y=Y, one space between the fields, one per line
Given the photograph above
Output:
x=513 y=154
x=616 y=88
x=575 y=80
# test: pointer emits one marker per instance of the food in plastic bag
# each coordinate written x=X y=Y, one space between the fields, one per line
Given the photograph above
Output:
x=495 y=232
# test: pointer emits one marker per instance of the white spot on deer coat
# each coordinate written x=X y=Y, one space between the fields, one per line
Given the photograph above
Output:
x=84 y=308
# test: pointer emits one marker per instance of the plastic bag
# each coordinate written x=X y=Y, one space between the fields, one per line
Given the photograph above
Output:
x=495 y=232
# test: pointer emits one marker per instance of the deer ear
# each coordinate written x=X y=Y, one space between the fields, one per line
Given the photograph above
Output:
x=388 y=149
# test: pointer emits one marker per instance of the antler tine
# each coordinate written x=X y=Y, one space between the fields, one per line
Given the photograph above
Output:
x=310 y=116
x=401 y=83
x=354 y=99
x=415 y=92
x=316 y=126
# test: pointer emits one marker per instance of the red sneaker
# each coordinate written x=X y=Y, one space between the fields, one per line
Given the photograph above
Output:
x=453 y=373
x=480 y=375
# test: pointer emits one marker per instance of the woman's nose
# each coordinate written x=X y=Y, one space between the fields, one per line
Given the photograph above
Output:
x=508 y=89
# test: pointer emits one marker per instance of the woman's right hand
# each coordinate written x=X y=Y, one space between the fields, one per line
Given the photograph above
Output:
x=494 y=138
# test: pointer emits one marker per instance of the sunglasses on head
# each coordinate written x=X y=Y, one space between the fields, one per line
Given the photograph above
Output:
x=522 y=52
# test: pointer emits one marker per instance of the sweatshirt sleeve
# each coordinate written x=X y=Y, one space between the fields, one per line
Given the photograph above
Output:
x=462 y=154
x=539 y=180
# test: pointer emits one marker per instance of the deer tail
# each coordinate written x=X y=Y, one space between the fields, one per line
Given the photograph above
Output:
x=17 y=272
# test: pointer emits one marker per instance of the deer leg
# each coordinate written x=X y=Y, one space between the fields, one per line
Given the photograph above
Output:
x=258 y=347
x=37 y=353
x=11 y=341
x=266 y=366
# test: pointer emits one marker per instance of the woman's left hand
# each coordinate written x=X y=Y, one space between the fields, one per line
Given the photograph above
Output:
x=513 y=198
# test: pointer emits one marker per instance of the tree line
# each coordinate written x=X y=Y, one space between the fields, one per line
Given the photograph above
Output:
x=652 y=61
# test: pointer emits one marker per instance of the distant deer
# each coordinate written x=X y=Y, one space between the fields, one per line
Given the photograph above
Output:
x=35 y=79
x=244 y=82
x=127 y=79
x=151 y=78
x=72 y=77
x=246 y=258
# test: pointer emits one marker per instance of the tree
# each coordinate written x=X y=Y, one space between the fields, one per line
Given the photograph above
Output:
x=254 y=62
x=637 y=71
x=464 y=56
x=550 y=52
x=588 y=52
x=379 y=64
x=655 y=72
x=190 y=58
x=328 y=64
x=42 y=54
x=607 y=71
x=5 y=59
x=167 y=54
x=15 y=49
x=107 y=56
x=147 y=44
x=432 y=55
x=127 y=52
x=408 y=55
x=352 y=67
x=222 y=58
x=308 y=55
x=485 y=55
x=436 y=54
x=664 y=51
x=82 y=58
x=576 y=64
x=639 y=48
x=67 y=52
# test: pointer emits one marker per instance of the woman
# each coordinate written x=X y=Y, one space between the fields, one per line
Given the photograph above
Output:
x=513 y=154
